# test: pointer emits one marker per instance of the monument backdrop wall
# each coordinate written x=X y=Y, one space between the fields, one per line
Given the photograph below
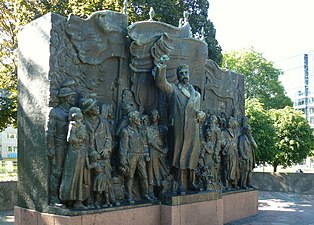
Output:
x=112 y=113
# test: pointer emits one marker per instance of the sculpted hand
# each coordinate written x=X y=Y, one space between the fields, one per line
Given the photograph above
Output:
x=51 y=154
x=200 y=116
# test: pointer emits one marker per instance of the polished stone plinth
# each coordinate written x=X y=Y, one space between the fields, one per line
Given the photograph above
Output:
x=212 y=208
x=239 y=205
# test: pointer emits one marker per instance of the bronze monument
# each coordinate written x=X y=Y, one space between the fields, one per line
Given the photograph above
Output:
x=126 y=114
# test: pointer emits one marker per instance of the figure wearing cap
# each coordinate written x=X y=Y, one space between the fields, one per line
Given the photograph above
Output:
x=57 y=131
x=99 y=142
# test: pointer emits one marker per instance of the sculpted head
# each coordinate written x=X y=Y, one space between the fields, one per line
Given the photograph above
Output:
x=134 y=118
x=75 y=114
x=183 y=74
x=154 y=114
x=66 y=95
x=145 y=120
x=90 y=107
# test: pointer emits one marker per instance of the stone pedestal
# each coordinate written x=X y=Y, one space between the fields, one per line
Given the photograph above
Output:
x=216 y=209
x=239 y=205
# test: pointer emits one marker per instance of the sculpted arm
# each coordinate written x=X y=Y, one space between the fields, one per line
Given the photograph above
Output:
x=123 y=146
x=161 y=82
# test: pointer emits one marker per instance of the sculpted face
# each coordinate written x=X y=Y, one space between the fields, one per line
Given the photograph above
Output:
x=137 y=119
x=145 y=120
x=184 y=76
x=94 y=110
x=78 y=116
x=70 y=99
x=134 y=118
x=155 y=115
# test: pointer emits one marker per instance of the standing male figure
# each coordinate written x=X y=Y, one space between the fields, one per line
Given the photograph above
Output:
x=99 y=137
x=183 y=122
x=132 y=156
x=246 y=148
x=57 y=131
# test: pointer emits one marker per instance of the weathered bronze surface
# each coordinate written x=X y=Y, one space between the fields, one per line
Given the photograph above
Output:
x=125 y=114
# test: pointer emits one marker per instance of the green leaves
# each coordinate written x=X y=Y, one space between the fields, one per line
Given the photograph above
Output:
x=282 y=133
x=263 y=130
x=261 y=77
x=295 y=136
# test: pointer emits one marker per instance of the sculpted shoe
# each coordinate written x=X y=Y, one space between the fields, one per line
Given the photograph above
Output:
x=193 y=187
x=116 y=203
x=181 y=191
x=252 y=186
x=130 y=200
x=79 y=205
x=146 y=197
x=97 y=205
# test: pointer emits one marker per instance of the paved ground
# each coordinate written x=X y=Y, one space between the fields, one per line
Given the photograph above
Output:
x=275 y=208
x=278 y=208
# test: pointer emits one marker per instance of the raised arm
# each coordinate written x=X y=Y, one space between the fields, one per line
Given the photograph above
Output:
x=161 y=82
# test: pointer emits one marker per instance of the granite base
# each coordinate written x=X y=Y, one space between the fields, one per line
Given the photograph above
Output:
x=212 y=209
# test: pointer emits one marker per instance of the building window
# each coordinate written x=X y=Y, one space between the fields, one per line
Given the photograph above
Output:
x=311 y=119
x=299 y=102
x=311 y=110
x=11 y=135
x=10 y=149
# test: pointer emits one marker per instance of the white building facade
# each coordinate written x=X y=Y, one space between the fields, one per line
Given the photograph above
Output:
x=298 y=80
x=8 y=143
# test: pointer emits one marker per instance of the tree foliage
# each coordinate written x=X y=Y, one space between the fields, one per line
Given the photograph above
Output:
x=283 y=136
x=14 y=14
x=262 y=126
x=8 y=64
x=295 y=136
x=261 y=77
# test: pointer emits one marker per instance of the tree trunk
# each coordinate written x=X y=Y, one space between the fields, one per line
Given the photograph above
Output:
x=275 y=165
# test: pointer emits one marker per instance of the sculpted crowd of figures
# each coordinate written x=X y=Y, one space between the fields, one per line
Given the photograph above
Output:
x=90 y=151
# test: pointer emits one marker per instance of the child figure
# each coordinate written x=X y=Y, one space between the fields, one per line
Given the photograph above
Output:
x=102 y=181
x=206 y=162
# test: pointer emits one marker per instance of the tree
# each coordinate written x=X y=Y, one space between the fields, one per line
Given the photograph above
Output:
x=262 y=126
x=8 y=65
x=261 y=77
x=295 y=137
x=14 y=14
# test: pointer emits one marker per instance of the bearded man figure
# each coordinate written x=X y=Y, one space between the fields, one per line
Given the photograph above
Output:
x=184 y=128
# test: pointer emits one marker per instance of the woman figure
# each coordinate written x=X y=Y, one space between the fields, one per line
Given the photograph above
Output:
x=73 y=191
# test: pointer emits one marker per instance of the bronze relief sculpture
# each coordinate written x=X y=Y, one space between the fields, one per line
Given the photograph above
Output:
x=143 y=115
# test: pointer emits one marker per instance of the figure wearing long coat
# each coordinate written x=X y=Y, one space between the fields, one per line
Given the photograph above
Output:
x=246 y=148
x=229 y=157
x=73 y=187
x=184 y=104
x=158 y=155
x=99 y=133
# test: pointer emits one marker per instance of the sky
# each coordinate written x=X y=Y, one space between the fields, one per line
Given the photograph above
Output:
x=282 y=30
x=277 y=28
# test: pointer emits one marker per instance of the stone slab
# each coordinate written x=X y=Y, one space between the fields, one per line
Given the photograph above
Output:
x=123 y=206
x=191 y=198
x=239 y=205
x=222 y=209
x=201 y=213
